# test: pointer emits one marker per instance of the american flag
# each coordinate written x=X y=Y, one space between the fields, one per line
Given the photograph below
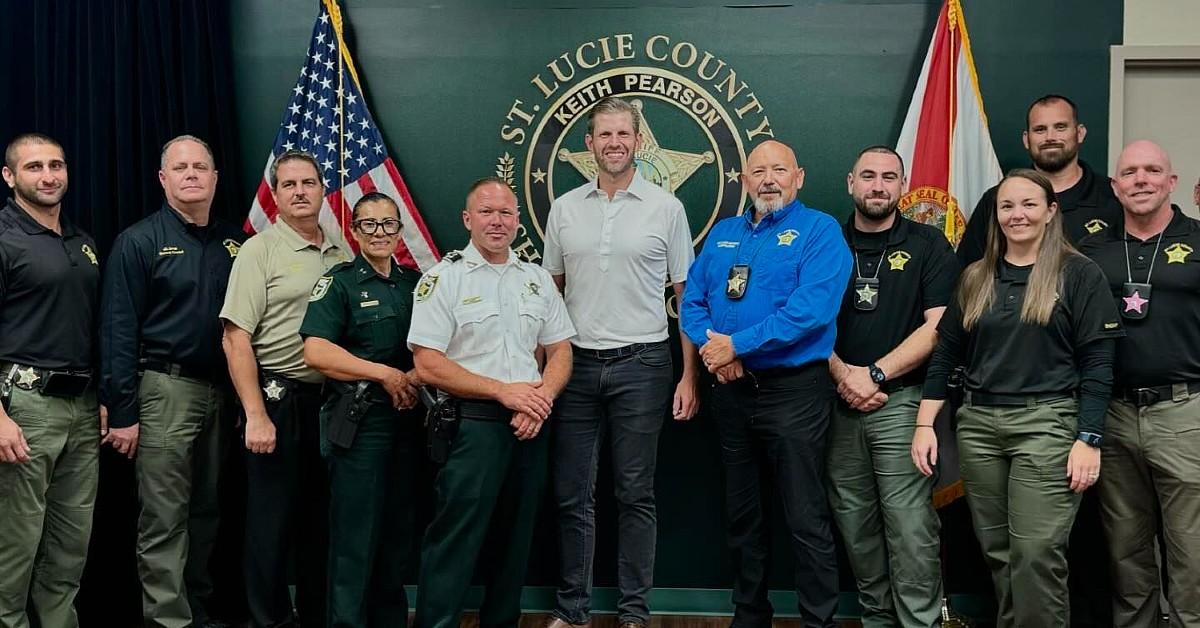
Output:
x=327 y=117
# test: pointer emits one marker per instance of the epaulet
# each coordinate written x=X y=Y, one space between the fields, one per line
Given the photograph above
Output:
x=452 y=256
x=339 y=267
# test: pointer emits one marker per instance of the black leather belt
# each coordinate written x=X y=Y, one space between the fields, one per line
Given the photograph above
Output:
x=1153 y=394
x=176 y=370
x=483 y=411
x=974 y=398
x=50 y=382
x=617 y=352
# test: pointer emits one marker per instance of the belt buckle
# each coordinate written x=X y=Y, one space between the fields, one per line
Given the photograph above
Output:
x=1145 y=396
x=27 y=378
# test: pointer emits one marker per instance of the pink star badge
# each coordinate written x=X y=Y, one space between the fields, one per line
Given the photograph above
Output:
x=1134 y=302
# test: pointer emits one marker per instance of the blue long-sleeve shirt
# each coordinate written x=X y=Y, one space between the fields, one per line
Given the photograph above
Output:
x=799 y=268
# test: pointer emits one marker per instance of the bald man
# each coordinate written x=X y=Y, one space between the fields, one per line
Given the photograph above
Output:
x=1151 y=451
x=762 y=302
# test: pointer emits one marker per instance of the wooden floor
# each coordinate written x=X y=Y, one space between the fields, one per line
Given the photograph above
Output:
x=658 y=621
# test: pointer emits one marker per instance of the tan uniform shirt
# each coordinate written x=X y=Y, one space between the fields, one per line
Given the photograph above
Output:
x=268 y=292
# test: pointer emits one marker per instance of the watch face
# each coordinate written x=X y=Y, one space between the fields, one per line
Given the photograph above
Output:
x=877 y=375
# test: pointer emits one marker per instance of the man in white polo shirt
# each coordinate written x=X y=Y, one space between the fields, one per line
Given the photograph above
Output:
x=612 y=245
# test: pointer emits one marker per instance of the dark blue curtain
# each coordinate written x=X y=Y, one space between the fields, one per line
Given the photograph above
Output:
x=113 y=80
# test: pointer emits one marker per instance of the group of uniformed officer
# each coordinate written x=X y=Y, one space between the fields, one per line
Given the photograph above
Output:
x=819 y=338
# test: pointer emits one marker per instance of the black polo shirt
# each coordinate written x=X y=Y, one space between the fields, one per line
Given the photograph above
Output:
x=1003 y=355
x=364 y=313
x=164 y=286
x=916 y=268
x=1087 y=207
x=1163 y=347
x=49 y=287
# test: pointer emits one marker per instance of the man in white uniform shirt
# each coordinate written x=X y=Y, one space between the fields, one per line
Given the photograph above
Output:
x=612 y=246
x=479 y=317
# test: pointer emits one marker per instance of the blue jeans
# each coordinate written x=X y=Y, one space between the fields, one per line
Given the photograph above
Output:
x=624 y=399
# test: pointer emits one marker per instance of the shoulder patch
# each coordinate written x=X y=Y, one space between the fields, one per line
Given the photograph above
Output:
x=320 y=289
x=426 y=285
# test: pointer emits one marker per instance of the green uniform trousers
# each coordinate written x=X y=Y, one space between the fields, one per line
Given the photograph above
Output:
x=491 y=481
x=1014 y=470
x=177 y=468
x=371 y=519
x=46 y=509
x=1151 y=469
x=883 y=507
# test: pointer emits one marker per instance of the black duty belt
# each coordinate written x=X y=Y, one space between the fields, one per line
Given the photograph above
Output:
x=176 y=370
x=483 y=411
x=50 y=382
x=1153 y=394
x=618 y=352
x=974 y=398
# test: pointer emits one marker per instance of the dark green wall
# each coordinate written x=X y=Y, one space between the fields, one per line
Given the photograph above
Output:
x=832 y=77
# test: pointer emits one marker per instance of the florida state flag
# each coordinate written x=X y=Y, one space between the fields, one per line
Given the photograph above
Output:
x=945 y=140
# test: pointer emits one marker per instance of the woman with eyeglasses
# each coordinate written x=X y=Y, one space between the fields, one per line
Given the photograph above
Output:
x=354 y=333
x=1032 y=325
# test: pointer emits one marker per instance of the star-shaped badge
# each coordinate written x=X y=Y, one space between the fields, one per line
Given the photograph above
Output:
x=1135 y=302
x=866 y=294
x=273 y=390
x=735 y=284
x=27 y=377
x=1177 y=253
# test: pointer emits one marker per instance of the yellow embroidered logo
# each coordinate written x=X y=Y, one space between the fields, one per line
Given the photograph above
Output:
x=1177 y=253
x=91 y=255
x=1095 y=225
x=897 y=260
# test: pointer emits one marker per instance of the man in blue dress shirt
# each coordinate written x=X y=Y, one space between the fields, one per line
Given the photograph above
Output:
x=762 y=301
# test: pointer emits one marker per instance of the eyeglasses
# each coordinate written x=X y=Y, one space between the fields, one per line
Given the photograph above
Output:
x=370 y=226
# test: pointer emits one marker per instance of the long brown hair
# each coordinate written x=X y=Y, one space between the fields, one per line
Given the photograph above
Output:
x=977 y=289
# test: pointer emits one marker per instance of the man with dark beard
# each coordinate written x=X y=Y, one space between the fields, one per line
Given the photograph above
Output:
x=1052 y=136
x=904 y=274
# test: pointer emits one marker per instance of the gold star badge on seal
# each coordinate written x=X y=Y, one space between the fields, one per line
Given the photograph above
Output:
x=27 y=378
x=1177 y=253
x=897 y=260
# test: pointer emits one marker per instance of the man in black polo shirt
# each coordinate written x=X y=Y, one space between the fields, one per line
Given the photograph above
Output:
x=1052 y=136
x=904 y=274
x=1151 y=449
x=163 y=378
x=49 y=430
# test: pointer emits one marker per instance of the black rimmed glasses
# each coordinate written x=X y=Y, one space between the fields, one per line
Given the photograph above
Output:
x=370 y=226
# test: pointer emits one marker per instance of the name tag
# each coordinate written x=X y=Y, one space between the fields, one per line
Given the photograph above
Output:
x=368 y=304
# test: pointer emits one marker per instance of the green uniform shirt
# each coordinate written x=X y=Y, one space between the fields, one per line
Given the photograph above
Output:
x=365 y=314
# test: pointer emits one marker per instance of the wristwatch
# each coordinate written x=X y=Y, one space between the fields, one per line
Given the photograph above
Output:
x=1090 y=438
x=877 y=374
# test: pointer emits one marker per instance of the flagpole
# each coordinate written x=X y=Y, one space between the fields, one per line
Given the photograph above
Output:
x=951 y=226
x=335 y=14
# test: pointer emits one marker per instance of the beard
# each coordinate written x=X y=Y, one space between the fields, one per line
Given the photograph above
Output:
x=875 y=212
x=763 y=206
x=1051 y=160
x=31 y=195
x=616 y=169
